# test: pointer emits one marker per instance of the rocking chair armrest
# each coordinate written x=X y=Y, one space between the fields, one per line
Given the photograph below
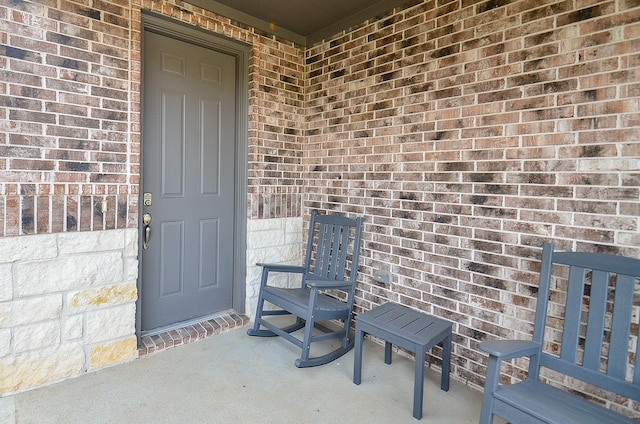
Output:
x=282 y=268
x=508 y=349
x=328 y=284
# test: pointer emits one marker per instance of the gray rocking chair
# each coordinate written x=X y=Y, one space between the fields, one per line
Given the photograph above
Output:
x=333 y=242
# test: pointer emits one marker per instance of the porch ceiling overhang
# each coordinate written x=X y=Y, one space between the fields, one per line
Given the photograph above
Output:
x=304 y=22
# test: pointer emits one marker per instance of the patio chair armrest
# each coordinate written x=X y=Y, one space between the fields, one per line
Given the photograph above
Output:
x=282 y=268
x=508 y=349
x=328 y=284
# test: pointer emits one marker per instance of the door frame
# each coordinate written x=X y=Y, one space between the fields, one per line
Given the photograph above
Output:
x=241 y=51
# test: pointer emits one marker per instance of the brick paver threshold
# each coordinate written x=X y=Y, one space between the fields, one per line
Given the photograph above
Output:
x=190 y=333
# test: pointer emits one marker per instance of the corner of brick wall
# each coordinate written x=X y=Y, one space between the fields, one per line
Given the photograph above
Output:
x=467 y=134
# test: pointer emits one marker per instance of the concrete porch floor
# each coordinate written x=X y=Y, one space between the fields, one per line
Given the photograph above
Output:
x=234 y=378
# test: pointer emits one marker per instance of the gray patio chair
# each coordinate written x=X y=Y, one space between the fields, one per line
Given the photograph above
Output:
x=585 y=334
x=326 y=293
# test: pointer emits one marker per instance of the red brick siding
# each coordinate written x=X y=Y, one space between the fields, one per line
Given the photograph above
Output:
x=276 y=132
x=66 y=143
x=70 y=129
x=467 y=133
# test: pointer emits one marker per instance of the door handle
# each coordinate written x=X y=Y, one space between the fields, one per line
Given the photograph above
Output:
x=146 y=220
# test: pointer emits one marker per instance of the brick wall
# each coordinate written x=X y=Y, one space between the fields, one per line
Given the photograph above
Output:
x=69 y=103
x=467 y=133
x=276 y=133
x=66 y=138
x=69 y=174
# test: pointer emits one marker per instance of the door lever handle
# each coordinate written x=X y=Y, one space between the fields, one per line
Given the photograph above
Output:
x=146 y=219
x=147 y=235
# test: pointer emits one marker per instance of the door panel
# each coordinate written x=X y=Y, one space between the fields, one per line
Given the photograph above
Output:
x=172 y=117
x=189 y=167
x=210 y=151
x=209 y=235
x=171 y=258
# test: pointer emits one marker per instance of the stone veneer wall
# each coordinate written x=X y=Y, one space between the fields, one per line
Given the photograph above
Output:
x=275 y=240
x=67 y=305
x=468 y=133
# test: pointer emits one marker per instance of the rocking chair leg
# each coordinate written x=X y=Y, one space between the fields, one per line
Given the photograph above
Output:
x=271 y=332
x=308 y=330
x=346 y=344
x=256 y=323
x=256 y=331
x=306 y=342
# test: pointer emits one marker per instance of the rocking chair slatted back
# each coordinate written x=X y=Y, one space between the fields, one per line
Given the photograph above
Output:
x=329 y=258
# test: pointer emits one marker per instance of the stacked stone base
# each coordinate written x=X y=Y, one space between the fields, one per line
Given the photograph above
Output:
x=67 y=305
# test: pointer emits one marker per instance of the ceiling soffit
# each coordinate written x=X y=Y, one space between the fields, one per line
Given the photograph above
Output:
x=304 y=22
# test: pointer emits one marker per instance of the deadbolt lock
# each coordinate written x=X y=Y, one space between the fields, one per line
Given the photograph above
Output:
x=147 y=199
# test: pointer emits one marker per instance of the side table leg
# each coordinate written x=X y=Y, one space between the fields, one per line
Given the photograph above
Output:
x=418 y=383
x=446 y=363
x=357 y=365
x=387 y=352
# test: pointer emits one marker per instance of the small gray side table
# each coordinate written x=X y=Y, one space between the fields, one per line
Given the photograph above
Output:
x=412 y=330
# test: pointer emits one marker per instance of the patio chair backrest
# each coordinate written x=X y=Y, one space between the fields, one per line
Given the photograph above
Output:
x=329 y=246
x=585 y=319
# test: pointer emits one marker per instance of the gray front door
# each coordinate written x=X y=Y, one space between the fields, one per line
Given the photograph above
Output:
x=188 y=171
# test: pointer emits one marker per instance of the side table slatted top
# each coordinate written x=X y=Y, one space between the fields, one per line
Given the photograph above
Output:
x=405 y=322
